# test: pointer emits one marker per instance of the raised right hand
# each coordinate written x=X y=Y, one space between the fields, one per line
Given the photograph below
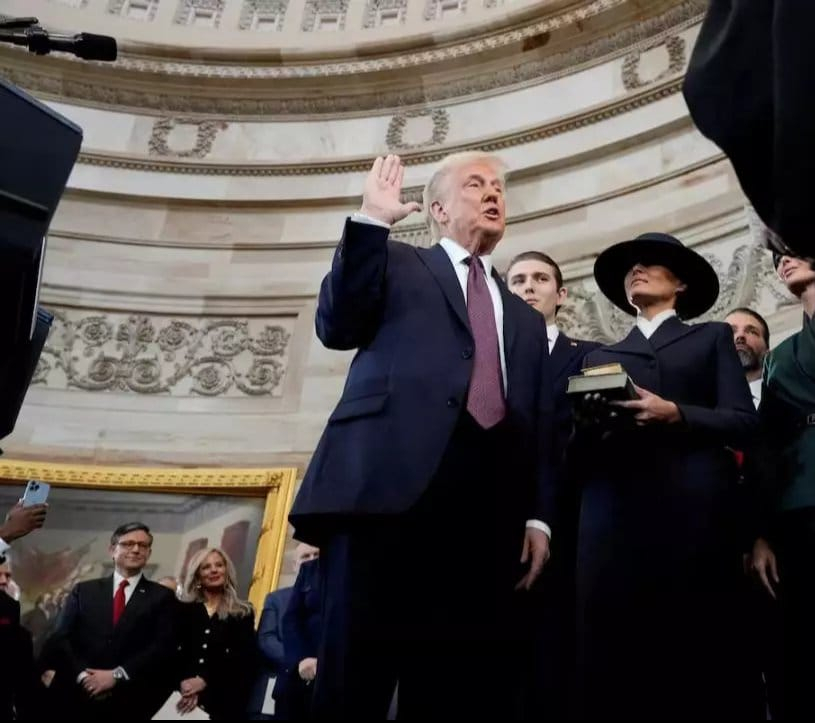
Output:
x=383 y=186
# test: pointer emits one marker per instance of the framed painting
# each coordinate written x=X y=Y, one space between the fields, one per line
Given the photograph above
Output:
x=241 y=510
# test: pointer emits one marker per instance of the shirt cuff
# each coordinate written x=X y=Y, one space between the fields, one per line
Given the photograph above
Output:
x=81 y=676
x=124 y=673
x=362 y=218
x=540 y=525
x=4 y=546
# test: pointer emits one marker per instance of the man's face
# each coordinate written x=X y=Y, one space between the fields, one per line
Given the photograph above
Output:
x=471 y=209
x=5 y=577
x=304 y=553
x=748 y=336
x=131 y=553
x=536 y=283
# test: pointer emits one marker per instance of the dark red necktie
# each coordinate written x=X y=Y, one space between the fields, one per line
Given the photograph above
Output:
x=485 y=399
x=119 y=601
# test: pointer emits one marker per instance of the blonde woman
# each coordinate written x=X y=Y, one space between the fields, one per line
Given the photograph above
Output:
x=216 y=639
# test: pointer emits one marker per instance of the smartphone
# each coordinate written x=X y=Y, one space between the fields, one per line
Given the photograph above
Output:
x=36 y=493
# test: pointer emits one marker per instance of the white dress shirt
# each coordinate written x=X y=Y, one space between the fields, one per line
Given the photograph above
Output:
x=133 y=584
x=755 y=390
x=649 y=326
x=4 y=546
x=551 y=334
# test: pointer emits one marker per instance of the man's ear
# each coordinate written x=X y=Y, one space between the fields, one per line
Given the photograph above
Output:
x=438 y=212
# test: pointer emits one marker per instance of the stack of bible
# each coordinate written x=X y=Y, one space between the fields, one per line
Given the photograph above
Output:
x=611 y=381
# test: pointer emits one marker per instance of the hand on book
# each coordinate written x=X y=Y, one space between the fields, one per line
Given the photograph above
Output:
x=593 y=410
x=650 y=408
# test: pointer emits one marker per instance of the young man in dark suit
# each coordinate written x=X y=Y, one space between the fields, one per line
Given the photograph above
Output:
x=270 y=637
x=536 y=278
x=444 y=432
x=114 y=637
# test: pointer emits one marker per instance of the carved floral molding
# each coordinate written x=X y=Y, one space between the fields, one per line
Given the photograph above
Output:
x=396 y=129
x=206 y=131
x=677 y=58
x=180 y=357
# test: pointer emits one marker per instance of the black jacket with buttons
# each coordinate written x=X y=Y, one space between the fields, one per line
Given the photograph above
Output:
x=223 y=653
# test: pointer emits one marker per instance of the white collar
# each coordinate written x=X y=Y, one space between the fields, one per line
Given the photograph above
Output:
x=649 y=326
x=552 y=332
x=458 y=254
x=755 y=390
x=132 y=581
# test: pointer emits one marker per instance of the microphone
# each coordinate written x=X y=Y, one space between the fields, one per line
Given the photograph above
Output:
x=84 y=45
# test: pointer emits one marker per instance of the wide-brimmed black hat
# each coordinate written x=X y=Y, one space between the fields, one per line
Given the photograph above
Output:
x=664 y=250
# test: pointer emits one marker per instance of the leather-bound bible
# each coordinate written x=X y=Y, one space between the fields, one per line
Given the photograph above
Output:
x=610 y=380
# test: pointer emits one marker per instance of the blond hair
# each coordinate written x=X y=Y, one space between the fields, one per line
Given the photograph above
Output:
x=435 y=187
x=230 y=603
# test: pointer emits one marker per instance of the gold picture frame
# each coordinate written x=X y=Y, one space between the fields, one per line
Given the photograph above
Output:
x=276 y=485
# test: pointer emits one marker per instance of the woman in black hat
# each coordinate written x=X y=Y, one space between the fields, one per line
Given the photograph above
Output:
x=655 y=554
x=785 y=520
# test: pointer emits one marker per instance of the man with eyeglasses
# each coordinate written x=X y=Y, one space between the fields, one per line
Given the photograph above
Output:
x=114 y=638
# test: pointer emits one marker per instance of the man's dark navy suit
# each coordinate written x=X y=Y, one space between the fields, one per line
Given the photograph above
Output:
x=402 y=471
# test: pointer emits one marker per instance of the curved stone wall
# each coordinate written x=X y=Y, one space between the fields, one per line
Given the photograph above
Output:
x=185 y=258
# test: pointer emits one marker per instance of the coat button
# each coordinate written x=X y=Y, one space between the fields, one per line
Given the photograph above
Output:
x=201 y=661
x=466 y=353
x=204 y=646
x=452 y=402
x=206 y=632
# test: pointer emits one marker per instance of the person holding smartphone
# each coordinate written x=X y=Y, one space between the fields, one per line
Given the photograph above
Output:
x=22 y=519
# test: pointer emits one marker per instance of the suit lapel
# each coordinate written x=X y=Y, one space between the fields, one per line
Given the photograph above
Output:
x=104 y=599
x=137 y=603
x=563 y=352
x=634 y=343
x=669 y=331
x=438 y=262
x=510 y=319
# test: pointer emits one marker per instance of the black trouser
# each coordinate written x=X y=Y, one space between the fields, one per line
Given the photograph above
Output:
x=795 y=542
x=425 y=598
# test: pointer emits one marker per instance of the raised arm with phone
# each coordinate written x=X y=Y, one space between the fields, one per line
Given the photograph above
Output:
x=27 y=515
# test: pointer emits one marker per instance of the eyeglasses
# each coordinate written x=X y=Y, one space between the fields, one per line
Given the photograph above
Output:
x=131 y=544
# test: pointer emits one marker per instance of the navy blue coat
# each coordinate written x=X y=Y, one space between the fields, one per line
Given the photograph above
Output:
x=403 y=309
x=566 y=360
x=657 y=552
x=271 y=657
x=301 y=629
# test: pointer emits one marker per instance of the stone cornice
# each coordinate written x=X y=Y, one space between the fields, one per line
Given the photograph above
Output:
x=495 y=63
x=414 y=233
x=384 y=62
x=629 y=102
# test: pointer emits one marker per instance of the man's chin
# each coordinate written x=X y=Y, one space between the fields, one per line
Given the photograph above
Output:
x=749 y=361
